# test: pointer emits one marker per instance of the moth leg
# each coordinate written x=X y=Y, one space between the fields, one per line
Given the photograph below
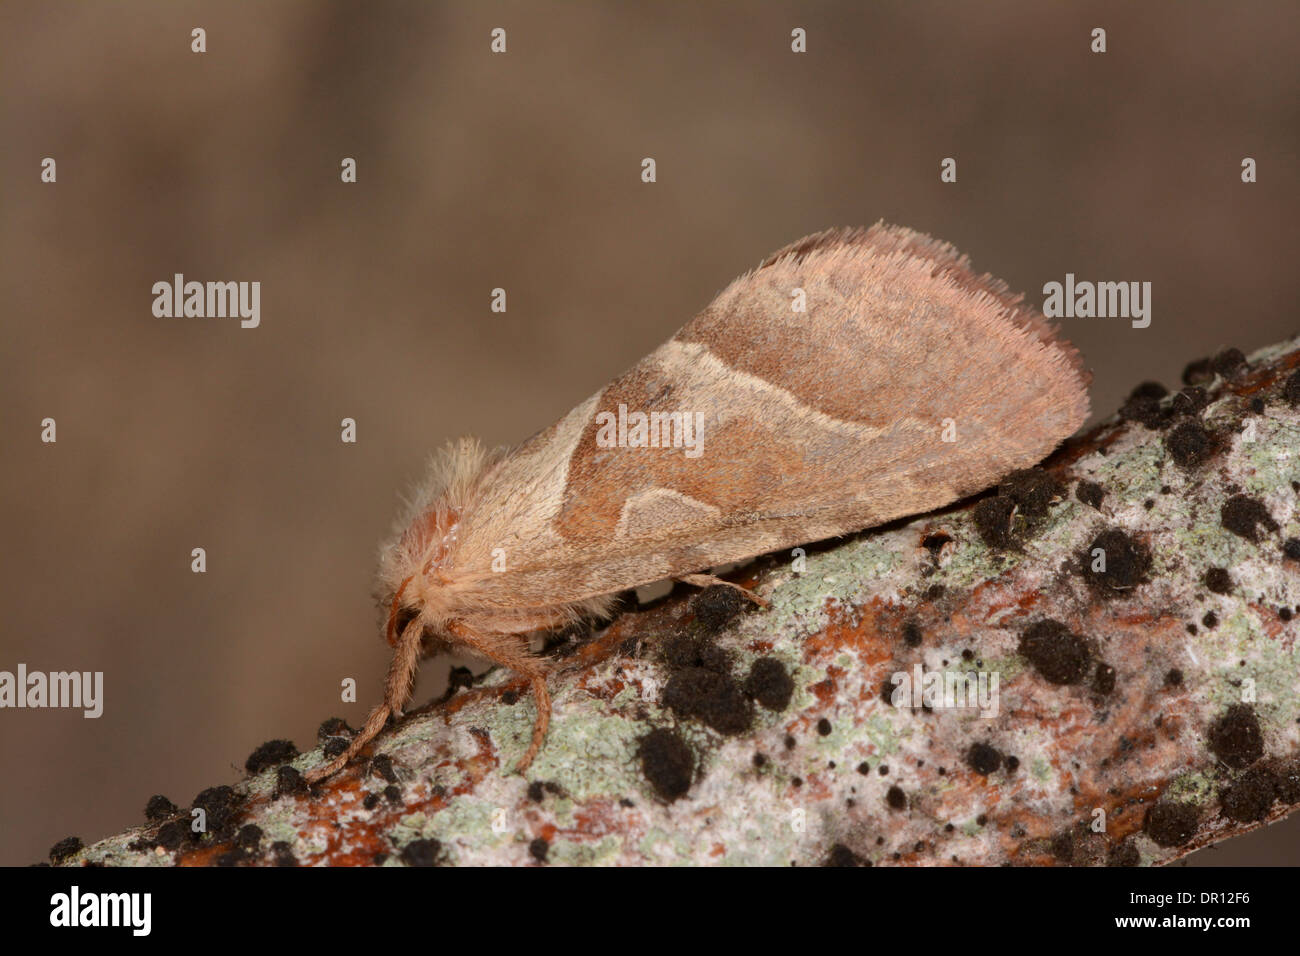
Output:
x=708 y=580
x=503 y=650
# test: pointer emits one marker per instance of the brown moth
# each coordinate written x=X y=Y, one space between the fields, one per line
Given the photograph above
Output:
x=906 y=383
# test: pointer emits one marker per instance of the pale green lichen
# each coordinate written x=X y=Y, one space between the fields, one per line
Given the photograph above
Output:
x=569 y=853
x=1197 y=787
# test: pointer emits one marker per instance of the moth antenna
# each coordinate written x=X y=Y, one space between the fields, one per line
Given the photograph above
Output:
x=397 y=688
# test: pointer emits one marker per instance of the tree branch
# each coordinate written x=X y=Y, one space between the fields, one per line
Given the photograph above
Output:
x=1140 y=711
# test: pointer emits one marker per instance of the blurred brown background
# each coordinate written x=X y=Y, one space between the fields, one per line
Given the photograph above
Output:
x=520 y=171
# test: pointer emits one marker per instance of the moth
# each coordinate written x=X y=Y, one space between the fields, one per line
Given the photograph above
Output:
x=854 y=377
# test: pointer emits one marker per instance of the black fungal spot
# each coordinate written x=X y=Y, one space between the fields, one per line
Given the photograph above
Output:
x=912 y=634
x=334 y=746
x=1257 y=406
x=1218 y=580
x=1189 y=444
x=1244 y=516
x=249 y=837
x=1288 y=783
x=421 y=853
x=393 y=794
x=536 y=792
x=759 y=760
x=824 y=727
x=1191 y=401
x=717 y=699
x=459 y=678
x=715 y=606
x=1248 y=799
x=539 y=849
x=172 y=835
x=282 y=853
x=1126 y=854
x=789 y=741
x=159 y=808
x=1013 y=764
x=333 y=727
x=769 y=682
x=221 y=806
x=983 y=759
x=270 y=754
x=1229 y=362
x=1149 y=390
x=841 y=855
x=1211 y=620
x=1291 y=390
x=1174 y=678
x=1090 y=493
x=371 y=801
x=1142 y=407
x=64 y=849
x=1149 y=504
x=896 y=799
x=382 y=765
x=1235 y=737
x=696 y=650
x=1033 y=490
x=288 y=782
x=1060 y=656
x=1198 y=372
x=934 y=543
x=864 y=768
x=1120 y=560
x=1103 y=681
x=993 y=520
x=1284 y=613
x=1171 y=824
x=1291 y=548
x=510 y=698
x=1063 y=846
x=667 y=763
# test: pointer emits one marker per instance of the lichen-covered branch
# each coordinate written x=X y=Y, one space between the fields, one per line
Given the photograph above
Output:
x=1118 y=681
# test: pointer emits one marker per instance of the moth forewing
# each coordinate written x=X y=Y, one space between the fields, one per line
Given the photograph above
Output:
x=902 y=382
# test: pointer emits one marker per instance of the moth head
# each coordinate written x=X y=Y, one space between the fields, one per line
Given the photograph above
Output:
x=413 y=578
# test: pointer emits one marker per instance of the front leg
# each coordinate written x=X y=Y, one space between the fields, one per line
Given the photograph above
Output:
x=506 y=650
